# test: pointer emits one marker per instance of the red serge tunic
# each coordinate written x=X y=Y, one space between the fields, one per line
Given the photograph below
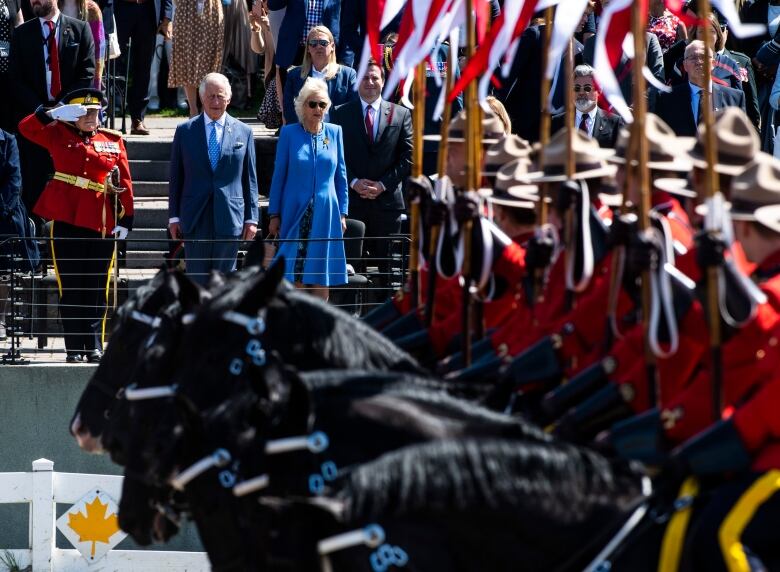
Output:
x=89 y=156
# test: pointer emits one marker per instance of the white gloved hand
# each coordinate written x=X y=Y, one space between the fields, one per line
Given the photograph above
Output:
x=120 y=232
x=70 y=112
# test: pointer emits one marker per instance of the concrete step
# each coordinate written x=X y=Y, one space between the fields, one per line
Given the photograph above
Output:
x=149 y=170
x=150 y=213
x=157 y=189
x=148 y=149
x=148 y=239
x=144 y=259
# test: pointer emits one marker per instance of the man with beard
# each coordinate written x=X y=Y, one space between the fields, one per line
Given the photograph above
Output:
x=589 y=118
x=51 y=54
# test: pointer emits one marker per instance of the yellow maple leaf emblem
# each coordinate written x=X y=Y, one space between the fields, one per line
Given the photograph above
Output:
x=95 y=526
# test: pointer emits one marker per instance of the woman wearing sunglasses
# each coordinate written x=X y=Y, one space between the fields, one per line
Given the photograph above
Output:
x=308 y=199
x=319 y=61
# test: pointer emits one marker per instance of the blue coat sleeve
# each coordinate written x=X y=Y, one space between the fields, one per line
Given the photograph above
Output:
x=352 y=93
x=279 y=180
x=291 y=88
x=341 y=174
x=176 y=179
x=249 y=181
x=10 y=174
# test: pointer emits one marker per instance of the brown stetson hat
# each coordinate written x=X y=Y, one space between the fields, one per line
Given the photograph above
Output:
x=736 y=141
x=508 y=149
x=756 y=187
x=492 y=129
x=589 y=159
x=667 y=152
x=769 y=217
x=511 y=188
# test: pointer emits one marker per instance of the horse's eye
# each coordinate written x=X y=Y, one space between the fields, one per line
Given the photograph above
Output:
x=107 y=414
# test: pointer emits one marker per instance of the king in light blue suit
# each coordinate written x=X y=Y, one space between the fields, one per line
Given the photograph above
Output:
x=212 y=203
x=310 y=186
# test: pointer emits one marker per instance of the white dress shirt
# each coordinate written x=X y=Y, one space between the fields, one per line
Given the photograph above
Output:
x=45 y=35
x=591 y=119
x=219 y=125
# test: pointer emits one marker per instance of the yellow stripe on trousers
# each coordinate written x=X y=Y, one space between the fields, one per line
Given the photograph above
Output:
x=54 y=259
x=674 y=537
x=108 y=286
x=739 y=517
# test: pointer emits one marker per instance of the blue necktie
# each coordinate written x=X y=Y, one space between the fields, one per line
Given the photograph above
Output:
x=213 y=146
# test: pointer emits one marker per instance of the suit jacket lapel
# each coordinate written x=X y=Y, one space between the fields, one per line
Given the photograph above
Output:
x=228 y=138
x=360 y=118
x=65 y=37
x=597 y=124
x=200 y=141
x=384 y=118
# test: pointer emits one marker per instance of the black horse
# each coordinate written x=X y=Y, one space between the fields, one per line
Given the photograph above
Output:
x=133 y=323
x=465 y=505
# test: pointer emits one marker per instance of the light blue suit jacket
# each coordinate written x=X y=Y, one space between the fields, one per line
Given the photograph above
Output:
x=341 y=89
x=213 y=203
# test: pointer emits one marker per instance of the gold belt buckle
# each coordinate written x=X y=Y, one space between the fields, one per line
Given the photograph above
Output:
x=81 y=183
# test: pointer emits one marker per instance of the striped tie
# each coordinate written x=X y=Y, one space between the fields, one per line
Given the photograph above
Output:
x=213 y=146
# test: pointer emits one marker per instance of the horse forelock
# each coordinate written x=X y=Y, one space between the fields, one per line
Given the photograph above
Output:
x=537 y=481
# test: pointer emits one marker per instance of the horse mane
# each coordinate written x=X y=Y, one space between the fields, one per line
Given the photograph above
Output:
x=532 y=480
x=344 y=341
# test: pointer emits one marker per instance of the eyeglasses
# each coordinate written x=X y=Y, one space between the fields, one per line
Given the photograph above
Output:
x=316 y=104
x=587 y=88
x=696 y=59
x=315 y=43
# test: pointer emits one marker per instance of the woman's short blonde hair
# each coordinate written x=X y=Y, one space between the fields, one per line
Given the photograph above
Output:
x=332 y=68
x=312 y=86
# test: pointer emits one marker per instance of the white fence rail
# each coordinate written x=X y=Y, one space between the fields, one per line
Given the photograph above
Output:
x=42 y=489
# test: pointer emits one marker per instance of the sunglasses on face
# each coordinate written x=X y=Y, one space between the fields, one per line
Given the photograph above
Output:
x=586 y=88
x=315 y=43
x=316 y=104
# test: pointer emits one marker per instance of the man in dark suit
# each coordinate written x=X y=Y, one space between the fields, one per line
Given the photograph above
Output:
x=378 y=153
x=681 y=108
x=141 y=21
x=38 y=78
x=212 y=193
x=588 y=117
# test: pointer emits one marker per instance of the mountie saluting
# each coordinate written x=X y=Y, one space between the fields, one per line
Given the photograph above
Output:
x=81 y=200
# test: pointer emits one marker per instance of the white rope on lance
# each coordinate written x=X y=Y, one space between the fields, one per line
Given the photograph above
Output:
x=587 y=246
x=372 y=536
x=251 y=485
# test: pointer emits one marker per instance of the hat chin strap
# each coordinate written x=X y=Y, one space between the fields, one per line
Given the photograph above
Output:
x=583 y=236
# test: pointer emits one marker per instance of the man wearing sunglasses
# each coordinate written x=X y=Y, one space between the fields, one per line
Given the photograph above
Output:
x=681 y=108
x=589 y=118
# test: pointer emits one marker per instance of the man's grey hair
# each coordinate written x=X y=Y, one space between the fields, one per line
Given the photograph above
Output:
x=312 y=86
x=584 y=70
x=215 y=78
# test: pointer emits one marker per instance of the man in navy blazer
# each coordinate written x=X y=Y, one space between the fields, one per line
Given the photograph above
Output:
x=680 y=107
x=296 y=26
x=213 y=184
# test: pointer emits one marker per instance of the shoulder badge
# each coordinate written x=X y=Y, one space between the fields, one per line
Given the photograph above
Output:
x=110 y=131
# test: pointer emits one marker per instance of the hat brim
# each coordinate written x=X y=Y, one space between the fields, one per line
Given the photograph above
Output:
x=769 y=216
x=677 y=187
x=678 y=165
x=721 y=168
x=605 y=171
x=458 y=139
x=611 y=200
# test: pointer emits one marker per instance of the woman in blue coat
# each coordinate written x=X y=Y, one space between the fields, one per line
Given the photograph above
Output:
x=319 y=61
x=309 y=194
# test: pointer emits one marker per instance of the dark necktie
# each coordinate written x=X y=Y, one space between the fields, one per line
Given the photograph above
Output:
x=700 y=114
x=54 y=60
x=370 y=123
x=584 y=124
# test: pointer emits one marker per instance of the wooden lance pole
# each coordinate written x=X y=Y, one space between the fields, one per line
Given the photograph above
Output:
x=712 y=184
x=642 y=182
x=418 y=122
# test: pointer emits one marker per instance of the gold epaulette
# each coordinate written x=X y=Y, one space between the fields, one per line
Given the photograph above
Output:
x=110 y=131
